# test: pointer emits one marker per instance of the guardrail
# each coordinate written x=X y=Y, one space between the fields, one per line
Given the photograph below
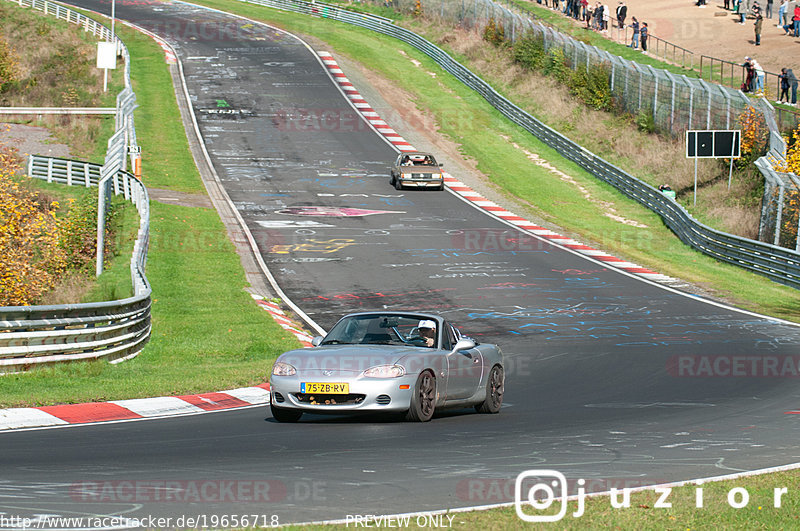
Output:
x=778 y=264
x=113 y=330
x=58 y=110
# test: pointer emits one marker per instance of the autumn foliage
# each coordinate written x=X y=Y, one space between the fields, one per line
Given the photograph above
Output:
x=37 y=247
x=792 y=199
x=755 y=134
x=31 y=259
x=9 y=65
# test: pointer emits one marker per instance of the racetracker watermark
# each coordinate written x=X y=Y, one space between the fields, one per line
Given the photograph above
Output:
x=434 y=520
x=727 y=366
x=197 y=491
x=541 y=489
x=497 y=240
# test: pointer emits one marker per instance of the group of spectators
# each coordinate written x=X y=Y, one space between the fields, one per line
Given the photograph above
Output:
x=754 y=81
x=599 y=17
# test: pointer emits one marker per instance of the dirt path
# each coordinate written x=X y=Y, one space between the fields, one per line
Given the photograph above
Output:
x=30 y=139
x=715 y=32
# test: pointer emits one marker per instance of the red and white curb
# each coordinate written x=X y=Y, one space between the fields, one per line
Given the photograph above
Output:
x=362 y=105
x=474 y=197
x=137 y=408
x=287 y=324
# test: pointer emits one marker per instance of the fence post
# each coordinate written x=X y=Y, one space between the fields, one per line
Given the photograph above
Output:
x=672 y=102
x=779 y=215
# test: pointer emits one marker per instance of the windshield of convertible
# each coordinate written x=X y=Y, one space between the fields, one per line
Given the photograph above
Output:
x=384 y=329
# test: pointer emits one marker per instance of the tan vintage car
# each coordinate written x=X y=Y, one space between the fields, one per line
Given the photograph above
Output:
x=417 y=170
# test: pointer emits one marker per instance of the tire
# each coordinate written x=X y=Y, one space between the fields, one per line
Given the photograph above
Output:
x=423 y=401
x=285 y=415
x=494 y=392
x=441 y=187
x=398 y=185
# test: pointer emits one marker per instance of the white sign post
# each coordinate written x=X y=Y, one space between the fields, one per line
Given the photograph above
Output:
x=106 y=59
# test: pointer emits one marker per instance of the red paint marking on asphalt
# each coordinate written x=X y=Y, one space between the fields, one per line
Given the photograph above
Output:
x=90 y=412
x=214 y=401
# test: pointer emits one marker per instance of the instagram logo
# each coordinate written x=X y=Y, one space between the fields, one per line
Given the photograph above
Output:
x=541 y=495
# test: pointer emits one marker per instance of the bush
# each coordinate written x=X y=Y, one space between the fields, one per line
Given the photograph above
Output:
x=793 y=153
x=645 y=121
x=79 y=232
x=556 y=65
x=31 y=261
x=755 y=135
x=9 y=66
x=494 y=33
x=529 y=52
x=593 y=86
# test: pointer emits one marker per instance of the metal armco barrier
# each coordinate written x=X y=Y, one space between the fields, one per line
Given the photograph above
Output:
x=113 y=330
x=777 y=263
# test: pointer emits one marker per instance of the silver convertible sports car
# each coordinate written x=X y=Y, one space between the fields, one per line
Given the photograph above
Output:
x=395 y=362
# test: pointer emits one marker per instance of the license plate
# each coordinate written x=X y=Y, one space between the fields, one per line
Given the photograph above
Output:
x=325 y=388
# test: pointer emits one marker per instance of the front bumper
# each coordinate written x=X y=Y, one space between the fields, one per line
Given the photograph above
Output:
x=411 y=182
x=366 y=394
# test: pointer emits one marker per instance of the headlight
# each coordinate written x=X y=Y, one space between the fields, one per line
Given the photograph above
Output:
x=385 y=371
x=283 y=369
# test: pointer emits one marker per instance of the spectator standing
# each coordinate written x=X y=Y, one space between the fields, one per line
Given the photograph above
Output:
x=584 y=8
x=782 y=14
x=606 y=17
x=727 y=5
x=597 y=23
x=797 y=20
x=783 y=79
x=643 y=34
x=740 y=10
x=759 y=89
x=758 y=25
x=622 y=12
x=635 y=39
x=750 y=75
x=769 y=9
x=793 y=84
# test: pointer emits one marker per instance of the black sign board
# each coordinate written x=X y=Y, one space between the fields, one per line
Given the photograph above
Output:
x=713 y=144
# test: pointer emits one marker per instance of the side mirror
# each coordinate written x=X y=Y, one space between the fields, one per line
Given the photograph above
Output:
x=316 y=340
x=464 y=344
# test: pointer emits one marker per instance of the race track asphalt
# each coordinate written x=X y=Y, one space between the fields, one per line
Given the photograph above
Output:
x=602 y=368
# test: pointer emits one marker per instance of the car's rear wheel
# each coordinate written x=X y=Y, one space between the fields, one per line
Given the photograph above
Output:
x=494 y=392
x=423 y=401
x=285 y=415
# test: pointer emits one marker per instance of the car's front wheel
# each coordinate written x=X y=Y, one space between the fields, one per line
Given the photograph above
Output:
x=494 y=392
x=397 y=184
x=285 y=415
x=423 y=401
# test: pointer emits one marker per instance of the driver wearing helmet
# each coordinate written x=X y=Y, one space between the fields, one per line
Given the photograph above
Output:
x=427 y=332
